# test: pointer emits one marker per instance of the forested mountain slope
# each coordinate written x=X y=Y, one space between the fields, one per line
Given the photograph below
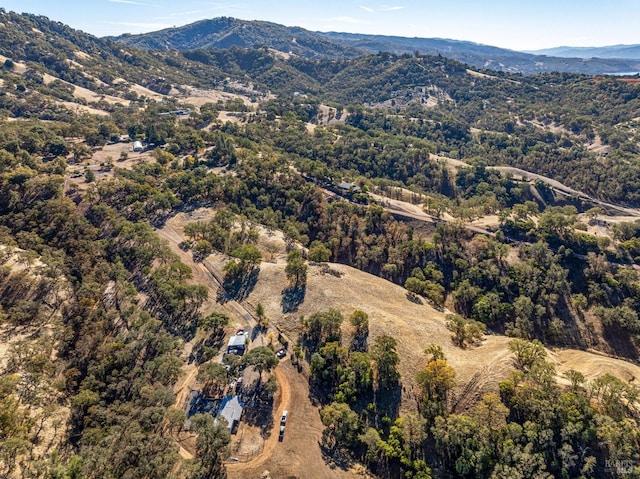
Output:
x=225 y=32
x=579 y=129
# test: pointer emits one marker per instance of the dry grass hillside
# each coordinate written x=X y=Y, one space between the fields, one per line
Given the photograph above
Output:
x=391 y=311
x=28 y=352
x=414 y=326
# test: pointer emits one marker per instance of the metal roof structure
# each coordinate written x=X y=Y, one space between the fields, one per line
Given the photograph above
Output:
x=231 y=409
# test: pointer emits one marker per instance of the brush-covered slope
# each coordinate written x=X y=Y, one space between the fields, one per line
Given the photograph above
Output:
x=86 y=61
x=225 y=32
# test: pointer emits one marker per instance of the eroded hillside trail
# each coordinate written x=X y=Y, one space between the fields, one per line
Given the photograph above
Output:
x=205 y=273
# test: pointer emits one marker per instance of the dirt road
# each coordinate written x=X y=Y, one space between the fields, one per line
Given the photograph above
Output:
x=409 y=210
x=559 y=187
x=299 y=454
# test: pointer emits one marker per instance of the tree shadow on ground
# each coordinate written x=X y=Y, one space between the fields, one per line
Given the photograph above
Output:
x=414 y=298
x=359 y=342
x=292 y=297
x=335 y=457
x=238 y=288
x=259 y=407
x=388 y=401
x=621 y=342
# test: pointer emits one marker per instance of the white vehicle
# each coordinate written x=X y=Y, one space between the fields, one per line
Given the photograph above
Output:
x=283 y=419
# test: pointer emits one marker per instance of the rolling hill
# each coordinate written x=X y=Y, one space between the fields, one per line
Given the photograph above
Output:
x=225 y=32
x=613 y=51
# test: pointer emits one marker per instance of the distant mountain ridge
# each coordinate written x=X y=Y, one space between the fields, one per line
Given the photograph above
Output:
x=612 y=51
x=225 y=32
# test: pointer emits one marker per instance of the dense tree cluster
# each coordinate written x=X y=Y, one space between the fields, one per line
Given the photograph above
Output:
x=116 y=363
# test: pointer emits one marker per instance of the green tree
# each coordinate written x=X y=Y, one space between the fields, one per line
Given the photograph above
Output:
x=319 y=253
x=322 y=327
x=414 y=285
x=261 y=359
x=342 y=425
x=360 y=322
x=436 y=380
x=296 y=269
x=465 y=331
x=386 y=360
x=262 y=318
x=213 y=377
x=211 y=447
x=527 y=353
x=213 y=321
x=249 y=256
x=89 y=175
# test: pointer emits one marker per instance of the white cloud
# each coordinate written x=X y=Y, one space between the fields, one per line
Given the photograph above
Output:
x=384 y=8
x=128 y=2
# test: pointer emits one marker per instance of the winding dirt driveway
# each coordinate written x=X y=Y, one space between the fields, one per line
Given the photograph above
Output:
x=299 y=454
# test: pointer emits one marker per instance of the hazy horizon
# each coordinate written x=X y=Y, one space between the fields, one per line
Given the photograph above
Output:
x=516 y=25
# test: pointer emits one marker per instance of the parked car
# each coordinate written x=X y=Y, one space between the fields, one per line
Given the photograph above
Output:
x=283 y=419
x=281 y=353
x=281 y=435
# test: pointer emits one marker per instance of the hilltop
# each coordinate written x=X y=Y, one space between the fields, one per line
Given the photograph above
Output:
x=225 y=32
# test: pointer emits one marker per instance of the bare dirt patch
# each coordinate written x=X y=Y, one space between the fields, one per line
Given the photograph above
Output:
x=99 y=164
x=77 y=107
x=81 y=54
x=140 y=90
x=199 y=97
x=299 y=454
x=85 y=93
x=18 y=67
x=488 y=221
x=594 y=364
x=479 y=75
x=231 y=116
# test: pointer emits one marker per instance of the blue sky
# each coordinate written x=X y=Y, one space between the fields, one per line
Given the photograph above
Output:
x=516 y=24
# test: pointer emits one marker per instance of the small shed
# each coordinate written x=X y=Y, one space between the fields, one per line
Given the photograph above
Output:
x=137 y=146
x=231 y=409
x=237 y=344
